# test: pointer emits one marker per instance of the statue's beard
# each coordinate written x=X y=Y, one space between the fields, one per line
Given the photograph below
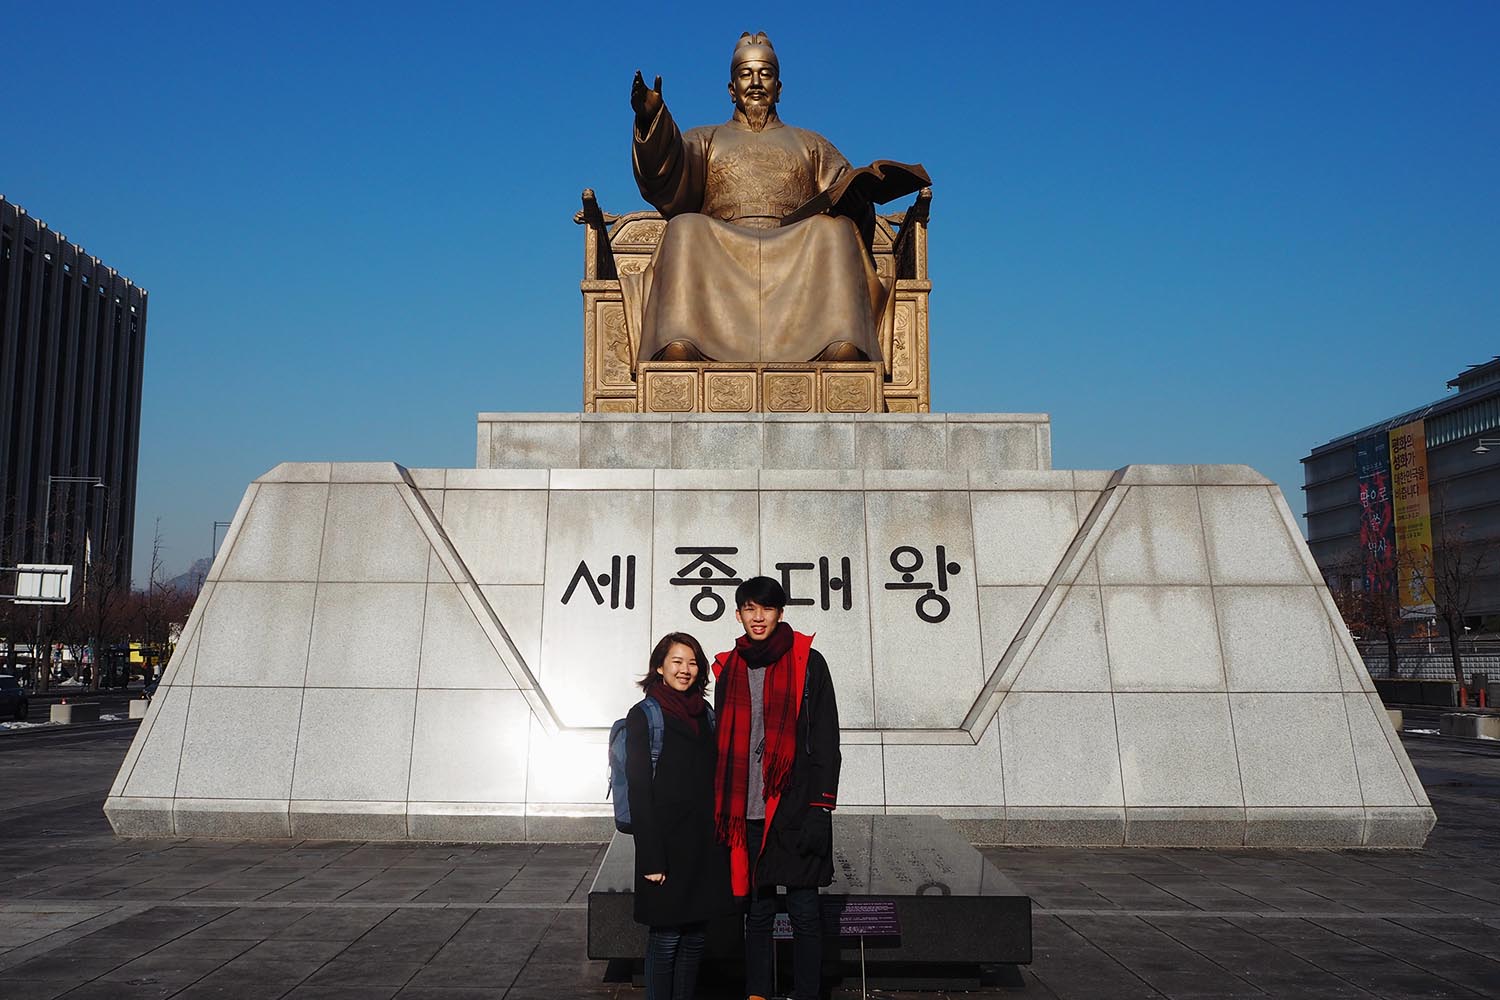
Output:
x=758 y=115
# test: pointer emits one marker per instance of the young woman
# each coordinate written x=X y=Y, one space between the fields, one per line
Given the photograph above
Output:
x=681 y=871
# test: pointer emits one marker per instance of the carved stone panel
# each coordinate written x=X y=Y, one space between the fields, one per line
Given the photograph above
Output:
x=670 y=391
x=894 y=405
x=850 y=393
x=613 y=344
x=789 y=392
x=903 y=345
x=920 y=356
x=728 y=392
x=625 y=405
x=639 y=233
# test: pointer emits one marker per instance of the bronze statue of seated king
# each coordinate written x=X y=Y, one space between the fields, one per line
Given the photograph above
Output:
x=768 y=254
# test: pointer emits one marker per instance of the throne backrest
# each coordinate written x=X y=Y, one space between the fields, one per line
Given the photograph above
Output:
x=626 y=243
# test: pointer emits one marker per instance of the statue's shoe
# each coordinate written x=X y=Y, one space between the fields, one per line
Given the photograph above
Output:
x=841 y=350
x=680 y=350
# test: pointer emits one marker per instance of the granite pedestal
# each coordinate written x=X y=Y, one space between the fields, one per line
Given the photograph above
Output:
x=951 y=441
x=955 y=910
x=1040 y=656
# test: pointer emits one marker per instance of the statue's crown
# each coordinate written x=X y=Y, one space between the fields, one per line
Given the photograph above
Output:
x=756 y=48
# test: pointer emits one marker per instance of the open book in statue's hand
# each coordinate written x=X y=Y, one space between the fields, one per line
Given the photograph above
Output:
x=880 y=182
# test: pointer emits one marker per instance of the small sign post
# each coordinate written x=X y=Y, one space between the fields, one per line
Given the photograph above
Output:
x=850 y=917
x=43 y=583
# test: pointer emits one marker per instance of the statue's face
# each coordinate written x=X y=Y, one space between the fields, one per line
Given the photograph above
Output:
x=755 y=84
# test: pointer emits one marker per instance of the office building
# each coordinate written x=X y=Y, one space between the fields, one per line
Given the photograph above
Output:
x=1428 y=476
x=71 y=360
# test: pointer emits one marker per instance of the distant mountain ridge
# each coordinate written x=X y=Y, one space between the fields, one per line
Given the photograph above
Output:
x=192 y=578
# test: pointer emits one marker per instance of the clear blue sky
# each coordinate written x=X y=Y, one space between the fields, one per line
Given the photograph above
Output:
x=1192 y=232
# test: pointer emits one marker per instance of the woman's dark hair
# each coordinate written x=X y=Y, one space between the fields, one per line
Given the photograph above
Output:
x=763 y=591
x=659 y=656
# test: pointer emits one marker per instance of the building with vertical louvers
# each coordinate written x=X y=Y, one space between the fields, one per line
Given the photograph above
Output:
x=71 y=362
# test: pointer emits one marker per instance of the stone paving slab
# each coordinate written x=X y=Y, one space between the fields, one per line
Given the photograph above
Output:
x=86 y=915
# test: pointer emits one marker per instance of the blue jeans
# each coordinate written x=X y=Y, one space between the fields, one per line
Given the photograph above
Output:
x=672 y=957
x=807 y=932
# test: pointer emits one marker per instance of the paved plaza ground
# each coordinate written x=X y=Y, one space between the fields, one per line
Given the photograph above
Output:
x=84 y=915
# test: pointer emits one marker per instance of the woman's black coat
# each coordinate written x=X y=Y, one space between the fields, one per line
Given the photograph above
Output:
x=672 y=818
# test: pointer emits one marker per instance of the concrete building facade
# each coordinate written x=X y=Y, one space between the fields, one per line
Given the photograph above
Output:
x=71 y=362
x=1462 y=432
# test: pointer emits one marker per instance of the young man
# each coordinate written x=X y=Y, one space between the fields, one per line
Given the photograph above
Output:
x=777 y=780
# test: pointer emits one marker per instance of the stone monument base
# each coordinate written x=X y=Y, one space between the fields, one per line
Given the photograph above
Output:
x=955 y=911
x=1040 y=656
x=952 y=442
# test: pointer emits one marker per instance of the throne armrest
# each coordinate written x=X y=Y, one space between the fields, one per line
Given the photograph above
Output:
x=904 y=250
x=598 y=259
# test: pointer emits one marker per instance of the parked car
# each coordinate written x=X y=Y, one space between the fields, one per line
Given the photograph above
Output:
x=13 y=700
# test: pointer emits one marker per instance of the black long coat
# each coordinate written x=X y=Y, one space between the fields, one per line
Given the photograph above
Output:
x=672 y=818
x=812 y=791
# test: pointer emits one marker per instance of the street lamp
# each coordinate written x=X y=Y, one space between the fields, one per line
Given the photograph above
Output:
x=97 y=484
x=1484 y=445
x=47 y=507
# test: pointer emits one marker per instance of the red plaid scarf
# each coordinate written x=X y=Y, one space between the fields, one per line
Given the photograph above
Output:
x=732 y=775
x=688 y=705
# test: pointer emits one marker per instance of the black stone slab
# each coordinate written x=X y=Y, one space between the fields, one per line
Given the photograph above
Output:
x=955 y=907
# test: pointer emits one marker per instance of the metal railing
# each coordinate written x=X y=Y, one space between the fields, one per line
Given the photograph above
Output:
x=1432 y=661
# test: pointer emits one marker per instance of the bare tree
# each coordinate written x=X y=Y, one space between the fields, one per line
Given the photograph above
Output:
x=26 y=623
x=1366 y=611
x=107 y=592
x=1460 y=556
x=160 y=606
x=94 y=619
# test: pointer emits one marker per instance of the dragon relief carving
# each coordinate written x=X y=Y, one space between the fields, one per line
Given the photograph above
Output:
x=788 y=393
x=617 y=405
x=616 y=340
x=670 y=393
x=901 y=372
x=640 y=233
x=848 y=395
x=729 y=394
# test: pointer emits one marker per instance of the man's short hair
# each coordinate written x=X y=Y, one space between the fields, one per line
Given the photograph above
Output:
x=763 y=591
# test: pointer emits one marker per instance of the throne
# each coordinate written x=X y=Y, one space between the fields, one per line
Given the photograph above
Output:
x=615 y=380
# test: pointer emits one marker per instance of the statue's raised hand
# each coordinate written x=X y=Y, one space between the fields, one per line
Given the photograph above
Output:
x=645 y=100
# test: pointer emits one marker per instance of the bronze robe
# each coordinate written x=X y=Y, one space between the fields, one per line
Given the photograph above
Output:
x=727 y=277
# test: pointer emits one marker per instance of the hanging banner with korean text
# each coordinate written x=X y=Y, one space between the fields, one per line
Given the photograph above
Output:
x=1377 y=528
x=1413 y=519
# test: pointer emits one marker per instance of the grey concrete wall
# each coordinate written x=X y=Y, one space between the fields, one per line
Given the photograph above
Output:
x=955 y=442
x=1145 y=656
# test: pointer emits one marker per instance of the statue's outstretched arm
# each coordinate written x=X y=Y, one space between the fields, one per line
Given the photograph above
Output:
x=669 y=168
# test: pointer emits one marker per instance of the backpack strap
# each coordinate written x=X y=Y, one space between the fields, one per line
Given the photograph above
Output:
x=655 y=726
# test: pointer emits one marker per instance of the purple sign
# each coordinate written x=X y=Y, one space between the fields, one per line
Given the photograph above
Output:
x=849 y=918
